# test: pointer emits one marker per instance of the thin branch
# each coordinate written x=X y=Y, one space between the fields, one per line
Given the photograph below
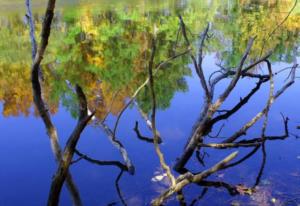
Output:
x=197 y=65
x=249 y=124
x=130 y=167
x=132 y=98
x=153 y=116
x=143 y=138
x=235 y=79
x=100 y=162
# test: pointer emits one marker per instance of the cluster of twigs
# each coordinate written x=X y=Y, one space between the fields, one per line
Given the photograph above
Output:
x=211 y=113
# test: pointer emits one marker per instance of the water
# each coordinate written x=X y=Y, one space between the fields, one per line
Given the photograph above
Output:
x=105 y=47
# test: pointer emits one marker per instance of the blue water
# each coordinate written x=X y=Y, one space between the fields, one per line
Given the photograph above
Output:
x=27 y=164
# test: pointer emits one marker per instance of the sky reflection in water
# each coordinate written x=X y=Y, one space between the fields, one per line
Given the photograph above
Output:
x=106 y=51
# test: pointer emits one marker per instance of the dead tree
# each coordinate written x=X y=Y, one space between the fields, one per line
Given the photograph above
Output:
x=64 y=158
x=207 y=118
x=37 y=55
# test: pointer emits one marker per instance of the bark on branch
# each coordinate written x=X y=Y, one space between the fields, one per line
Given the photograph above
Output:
x=69 y=150
x=188 y=178
x=37 y=55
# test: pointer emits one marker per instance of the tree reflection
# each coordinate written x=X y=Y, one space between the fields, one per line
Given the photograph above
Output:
x=116 y=55
x=107 y=51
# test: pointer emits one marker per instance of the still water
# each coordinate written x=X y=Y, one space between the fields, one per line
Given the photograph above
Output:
x=105 y=47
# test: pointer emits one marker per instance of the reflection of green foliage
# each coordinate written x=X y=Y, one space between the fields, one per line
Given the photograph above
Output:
x=166 y=82
x=115 y=47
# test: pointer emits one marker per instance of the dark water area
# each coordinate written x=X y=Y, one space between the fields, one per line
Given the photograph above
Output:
x=105 y=47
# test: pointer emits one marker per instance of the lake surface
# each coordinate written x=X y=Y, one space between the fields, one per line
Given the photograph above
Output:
x=105 y=47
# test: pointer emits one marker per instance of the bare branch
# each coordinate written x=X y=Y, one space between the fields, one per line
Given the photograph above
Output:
x=197 y=65
x=37 y=56
x=153 y=116
x=69 y=150
x=188 y=178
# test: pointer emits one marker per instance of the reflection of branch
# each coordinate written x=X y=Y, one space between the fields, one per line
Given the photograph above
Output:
x=245 y=72
x=132 y=98
x=277 y=26
x=31 y=29
x=251 y=142
x=129 y=166
x=236 y=77
x=100 y=162
x=119 y=189
x=188 y=178
x=143 y=138
x=230 y=188
x=247 y=156
x=117 y=185
x=111 y=105
x=148 y=122
x=181 y=199
x=262 y=167
x=241 y=103
x=203 y=193
x=197 y=65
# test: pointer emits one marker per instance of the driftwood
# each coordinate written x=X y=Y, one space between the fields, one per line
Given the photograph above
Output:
x=188 y=178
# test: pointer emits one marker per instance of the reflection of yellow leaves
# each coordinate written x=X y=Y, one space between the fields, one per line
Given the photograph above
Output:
x=87 y=23
x=15 y=89
x=95 y=60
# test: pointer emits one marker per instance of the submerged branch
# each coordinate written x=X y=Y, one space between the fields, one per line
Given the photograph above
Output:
x=69 y=150
x=37 y=56
x=188 y=178
x=153 y=116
